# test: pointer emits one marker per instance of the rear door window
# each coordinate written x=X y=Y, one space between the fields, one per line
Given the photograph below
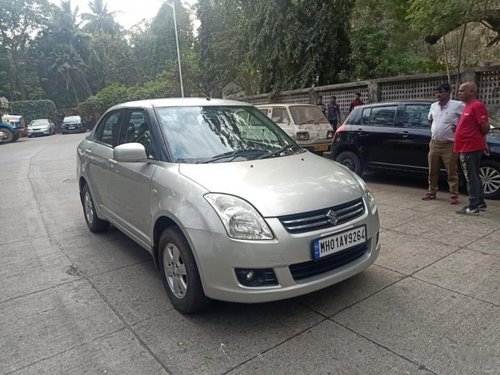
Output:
x=379 y=116
x=415 y=116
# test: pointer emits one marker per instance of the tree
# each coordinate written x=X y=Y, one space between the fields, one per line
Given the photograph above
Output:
x=154 y=45
x=63 y=54
x=100 y=20
x=382 y=45
x=433 y=22
x=273 y=45
x=111 y=58
x=20 y=20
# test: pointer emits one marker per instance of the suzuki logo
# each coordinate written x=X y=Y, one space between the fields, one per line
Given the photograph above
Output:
x=332 y=217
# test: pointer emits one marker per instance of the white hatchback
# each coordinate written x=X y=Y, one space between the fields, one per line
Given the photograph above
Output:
x=228 y=205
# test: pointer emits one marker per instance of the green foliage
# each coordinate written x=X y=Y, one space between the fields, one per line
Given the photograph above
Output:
x=20 y=20
x=34 y=109
x=116 y=93
x=49 y=51
x=273 y=45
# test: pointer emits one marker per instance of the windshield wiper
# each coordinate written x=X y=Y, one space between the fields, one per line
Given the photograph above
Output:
x=233 y=155
x=288 y=149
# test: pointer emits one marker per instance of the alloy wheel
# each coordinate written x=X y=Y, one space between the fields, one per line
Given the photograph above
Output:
x=88 y=207
x=490 y=178
x=175 y=270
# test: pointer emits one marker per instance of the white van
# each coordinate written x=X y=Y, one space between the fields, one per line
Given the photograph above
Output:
x=305 y=123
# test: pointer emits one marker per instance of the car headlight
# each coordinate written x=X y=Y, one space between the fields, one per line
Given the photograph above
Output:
x=329 y=134
x=302 y=136
x=368 y=196
x=241 y=220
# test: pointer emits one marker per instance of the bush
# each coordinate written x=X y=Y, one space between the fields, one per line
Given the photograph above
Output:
x=34 y=109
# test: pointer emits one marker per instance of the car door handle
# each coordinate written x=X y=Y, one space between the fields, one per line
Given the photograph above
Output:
x=404 y=134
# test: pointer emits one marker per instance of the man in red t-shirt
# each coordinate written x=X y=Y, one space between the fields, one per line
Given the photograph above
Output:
x=470 y=143
x=356 y=102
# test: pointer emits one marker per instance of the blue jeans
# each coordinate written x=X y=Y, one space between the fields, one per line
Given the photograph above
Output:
x=470 y=166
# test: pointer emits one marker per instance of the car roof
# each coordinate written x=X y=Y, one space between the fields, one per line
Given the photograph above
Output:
x=180 y=102
x=285 y=105
x=397 y=102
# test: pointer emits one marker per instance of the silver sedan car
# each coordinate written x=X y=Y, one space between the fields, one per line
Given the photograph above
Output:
x=228 y=205
x=41 y=127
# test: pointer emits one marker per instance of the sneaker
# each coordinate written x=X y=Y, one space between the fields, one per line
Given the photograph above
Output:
x=453 y=199
x=429 y=196
x=482 y=206
x=468 y=211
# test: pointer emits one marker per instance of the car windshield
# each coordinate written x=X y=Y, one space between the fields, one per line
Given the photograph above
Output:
x=222 y=134
x=307 y=114
x=39 y=122
x=72 y=119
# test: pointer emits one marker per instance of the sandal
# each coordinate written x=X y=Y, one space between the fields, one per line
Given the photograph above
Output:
x=429 y=196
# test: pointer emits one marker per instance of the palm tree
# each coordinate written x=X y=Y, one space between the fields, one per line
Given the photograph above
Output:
x=100 y=21
x=64 y=52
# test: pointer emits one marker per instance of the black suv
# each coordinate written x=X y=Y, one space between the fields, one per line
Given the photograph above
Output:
x=394 y=137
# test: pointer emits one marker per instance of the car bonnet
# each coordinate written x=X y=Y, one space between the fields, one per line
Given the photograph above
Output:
x=279 y=186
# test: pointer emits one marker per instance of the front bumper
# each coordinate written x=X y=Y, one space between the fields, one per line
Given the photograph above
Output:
x=37 y=132
x=218 y=257
x=72 y=129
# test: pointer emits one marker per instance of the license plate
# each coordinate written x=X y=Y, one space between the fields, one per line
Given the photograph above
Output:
x=71 y=127
x=321 y=147
x=339 y=241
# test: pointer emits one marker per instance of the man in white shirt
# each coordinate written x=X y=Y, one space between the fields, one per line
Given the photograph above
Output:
x=443 y=116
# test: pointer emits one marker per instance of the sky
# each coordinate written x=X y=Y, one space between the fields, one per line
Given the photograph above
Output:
x=128 y=12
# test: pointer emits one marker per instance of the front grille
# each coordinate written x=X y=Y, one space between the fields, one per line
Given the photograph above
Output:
x=315 y=220
x=304 y=270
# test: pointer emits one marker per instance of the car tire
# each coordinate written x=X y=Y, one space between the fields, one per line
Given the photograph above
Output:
x=179 y=272
x=489 y=172
x=95 y=224
x=9 y=136
x=351 y=160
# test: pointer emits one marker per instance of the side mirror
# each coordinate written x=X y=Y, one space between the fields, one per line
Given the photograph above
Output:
x=130 y=153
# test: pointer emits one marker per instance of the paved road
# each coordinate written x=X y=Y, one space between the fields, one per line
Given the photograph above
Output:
x=72 y=302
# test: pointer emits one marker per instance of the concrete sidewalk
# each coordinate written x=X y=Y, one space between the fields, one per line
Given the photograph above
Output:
x=80 y=303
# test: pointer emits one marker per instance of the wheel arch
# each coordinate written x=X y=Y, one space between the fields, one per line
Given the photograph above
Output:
x=346 y=147
x=162 y=223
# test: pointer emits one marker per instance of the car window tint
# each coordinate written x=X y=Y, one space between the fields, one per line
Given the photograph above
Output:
x=263 y=110
x=107 y=131
x=354 y=118
x=415 y=116
x=383 y=116
x=279 y=115
x=365 y=117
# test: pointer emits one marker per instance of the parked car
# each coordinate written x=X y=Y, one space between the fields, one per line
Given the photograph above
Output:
x=72 y=124
x=395 y=136
x=41 y=127
x=304 y=123
x=12 y=127
x=229 y=206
